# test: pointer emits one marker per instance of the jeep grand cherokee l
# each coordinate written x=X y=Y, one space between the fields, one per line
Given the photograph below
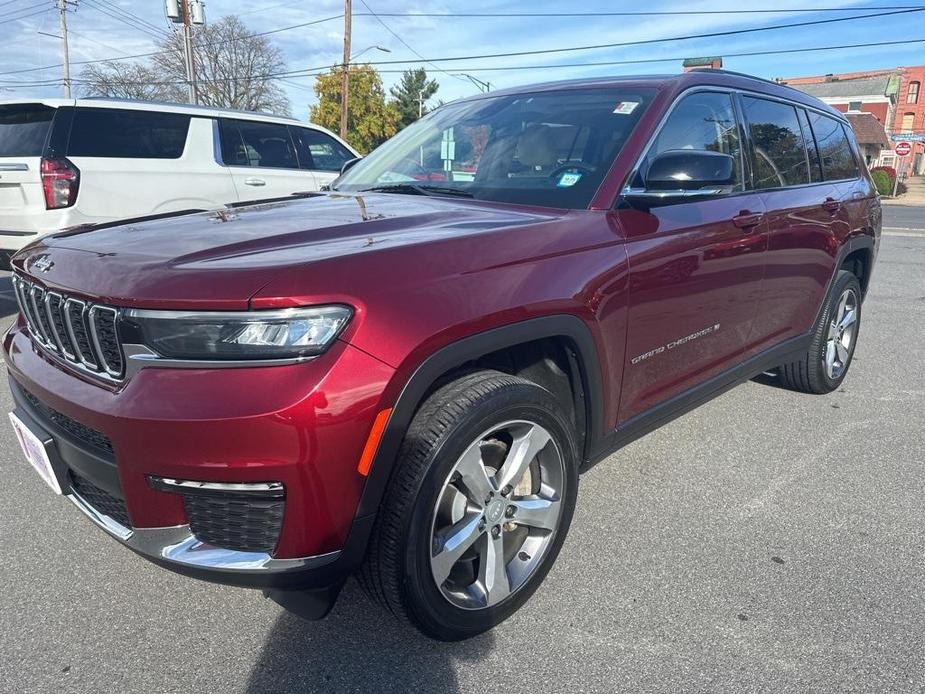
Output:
x=402 y=377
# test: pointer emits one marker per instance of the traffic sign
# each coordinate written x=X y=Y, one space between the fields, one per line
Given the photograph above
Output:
x=903 y=149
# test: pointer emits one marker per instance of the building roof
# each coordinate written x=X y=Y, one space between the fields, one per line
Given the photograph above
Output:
x=845 y=89
x=868 y=130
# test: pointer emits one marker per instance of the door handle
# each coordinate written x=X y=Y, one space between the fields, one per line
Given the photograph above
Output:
x=254 y=182
x=747 y=220
x=831 y=205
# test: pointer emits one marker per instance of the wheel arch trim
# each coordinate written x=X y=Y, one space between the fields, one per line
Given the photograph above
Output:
x=467 y=349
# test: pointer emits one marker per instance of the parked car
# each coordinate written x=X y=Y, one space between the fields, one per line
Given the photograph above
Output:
x=66 y=162
x=402 y=378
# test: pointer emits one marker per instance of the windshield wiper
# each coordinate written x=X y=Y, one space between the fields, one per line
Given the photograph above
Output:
x=415 y=189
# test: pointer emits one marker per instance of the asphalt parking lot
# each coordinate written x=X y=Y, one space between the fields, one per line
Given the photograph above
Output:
x=769 y=541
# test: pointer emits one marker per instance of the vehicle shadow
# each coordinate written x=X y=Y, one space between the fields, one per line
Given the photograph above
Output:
x=769 y=379
x=358 y=647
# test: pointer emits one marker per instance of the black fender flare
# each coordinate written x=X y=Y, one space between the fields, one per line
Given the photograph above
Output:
x=855 y=243
x=467 y=349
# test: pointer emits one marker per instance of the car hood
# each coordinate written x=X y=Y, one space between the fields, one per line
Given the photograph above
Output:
x=221 y=259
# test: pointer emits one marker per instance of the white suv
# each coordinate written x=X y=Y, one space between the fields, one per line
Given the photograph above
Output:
x=67 y=162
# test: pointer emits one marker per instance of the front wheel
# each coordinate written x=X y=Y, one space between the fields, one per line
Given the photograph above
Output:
x=477 y=508
x=835 y=335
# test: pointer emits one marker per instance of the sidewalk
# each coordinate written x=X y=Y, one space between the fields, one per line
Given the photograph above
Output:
x=915 y=194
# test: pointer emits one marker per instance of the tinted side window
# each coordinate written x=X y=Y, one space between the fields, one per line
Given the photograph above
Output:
x=320 y=151
x=834 y=148
x=777 y=141
x=251 y=143
x=702 y=121
x=815 y=166
x=23 y=129
x=109 y=132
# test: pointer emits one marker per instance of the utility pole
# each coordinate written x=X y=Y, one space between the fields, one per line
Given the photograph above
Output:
x=345 y=77
x=62 y=15
x=188 y=52
x=420 y=104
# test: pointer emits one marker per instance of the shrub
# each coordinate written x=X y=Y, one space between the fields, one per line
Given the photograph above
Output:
x=882 y=181
x=888 y=170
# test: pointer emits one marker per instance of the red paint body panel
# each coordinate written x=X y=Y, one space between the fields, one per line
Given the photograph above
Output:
x=303 y=425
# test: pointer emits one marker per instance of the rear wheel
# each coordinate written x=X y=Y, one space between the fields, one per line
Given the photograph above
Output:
x=477 y=508
x=826 y=362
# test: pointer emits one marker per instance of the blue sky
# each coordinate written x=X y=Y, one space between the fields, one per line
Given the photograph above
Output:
x=94 y=35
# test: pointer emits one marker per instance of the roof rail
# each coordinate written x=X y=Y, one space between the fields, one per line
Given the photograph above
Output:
x=735 y=74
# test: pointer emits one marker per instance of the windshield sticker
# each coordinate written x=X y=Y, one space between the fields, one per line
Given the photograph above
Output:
x=624 y=108
x=568 y=179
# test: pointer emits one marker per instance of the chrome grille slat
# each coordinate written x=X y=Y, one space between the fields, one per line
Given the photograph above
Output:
x=53 y=301
x=75 y=318
x=84 y=335
x=105 y=340
x=21 y=298
x=37 y=301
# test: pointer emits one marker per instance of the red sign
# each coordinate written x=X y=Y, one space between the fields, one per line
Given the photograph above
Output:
x=903 y=149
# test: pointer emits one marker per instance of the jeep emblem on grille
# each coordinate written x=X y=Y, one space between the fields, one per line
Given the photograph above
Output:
x=43 y=263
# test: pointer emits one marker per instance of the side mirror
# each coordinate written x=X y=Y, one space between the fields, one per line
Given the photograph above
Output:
x=683 y=169
x=682 y=173
x=349 y=164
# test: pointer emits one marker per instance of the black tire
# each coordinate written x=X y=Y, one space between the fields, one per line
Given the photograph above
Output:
x=808 y=374
x=396 y=572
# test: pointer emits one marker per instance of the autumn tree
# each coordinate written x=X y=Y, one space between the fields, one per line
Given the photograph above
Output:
x=411 y=93
x=371 y=119
x=234 y=69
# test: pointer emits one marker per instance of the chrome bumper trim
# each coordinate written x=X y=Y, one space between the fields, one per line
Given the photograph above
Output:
x=177 y=545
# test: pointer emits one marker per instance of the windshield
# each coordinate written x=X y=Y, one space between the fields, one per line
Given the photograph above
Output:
x=548 y=148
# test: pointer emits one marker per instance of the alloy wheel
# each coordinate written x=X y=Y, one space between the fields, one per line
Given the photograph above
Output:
x=496 y=514
x=840 y=338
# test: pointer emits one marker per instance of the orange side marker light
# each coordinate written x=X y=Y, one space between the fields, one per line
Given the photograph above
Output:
x=372 y=443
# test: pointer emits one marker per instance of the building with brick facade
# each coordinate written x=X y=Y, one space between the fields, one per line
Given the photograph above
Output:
x=893 y=96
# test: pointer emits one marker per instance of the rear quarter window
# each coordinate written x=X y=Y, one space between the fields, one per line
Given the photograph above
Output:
x=128 y=134
x=835 y=152
x=24 y=129
x=777 y=142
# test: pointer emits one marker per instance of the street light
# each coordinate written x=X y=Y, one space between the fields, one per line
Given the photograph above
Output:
x=483 y=86
x=369 y=48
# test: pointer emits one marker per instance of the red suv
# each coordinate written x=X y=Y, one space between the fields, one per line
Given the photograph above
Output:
x=402 y=377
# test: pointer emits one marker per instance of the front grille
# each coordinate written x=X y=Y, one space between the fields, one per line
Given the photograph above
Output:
x=245 y=525
x=84 y=335
x=71 y=427
x=101 y=500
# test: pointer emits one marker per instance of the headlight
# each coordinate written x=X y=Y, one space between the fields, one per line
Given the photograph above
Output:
x=277 y=334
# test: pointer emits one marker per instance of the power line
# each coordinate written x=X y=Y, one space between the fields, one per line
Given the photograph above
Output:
x=623 y=44
x=405 y=43
x=154 y=53
x=132 y=17
x=637 y=13
x=25 y=16
x=126 y=20
x=637 y=61
x=23 y=9
x=643 y=42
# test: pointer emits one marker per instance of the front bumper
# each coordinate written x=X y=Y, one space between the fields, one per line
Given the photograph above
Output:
x=302 y=425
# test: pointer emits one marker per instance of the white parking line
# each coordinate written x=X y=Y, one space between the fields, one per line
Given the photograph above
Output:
x=911 y=233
